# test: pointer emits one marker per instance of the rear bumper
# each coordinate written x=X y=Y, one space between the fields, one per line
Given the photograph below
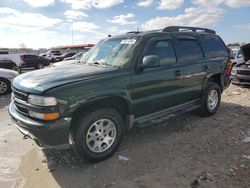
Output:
x=49 y=134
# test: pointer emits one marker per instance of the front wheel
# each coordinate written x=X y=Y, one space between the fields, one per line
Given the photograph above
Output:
x=5 y=86
x=98 y=134
x=211 y=99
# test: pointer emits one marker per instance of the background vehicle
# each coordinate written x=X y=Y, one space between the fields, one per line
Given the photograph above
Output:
x=34 y=61
x=128 y=80
x=77 y=56
x=63 y=63
x=15 y=58
x=8 y=64
x=51 y=52
x=6 y=78
x=241 y=71
x=74 y=61
x=61 y=57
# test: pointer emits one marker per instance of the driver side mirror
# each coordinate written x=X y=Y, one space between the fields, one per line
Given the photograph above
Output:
x=150 y=61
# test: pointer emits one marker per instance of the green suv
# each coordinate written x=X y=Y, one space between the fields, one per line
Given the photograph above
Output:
x=138 y=78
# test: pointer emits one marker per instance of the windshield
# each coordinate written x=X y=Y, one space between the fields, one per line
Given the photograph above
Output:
x=111 y=52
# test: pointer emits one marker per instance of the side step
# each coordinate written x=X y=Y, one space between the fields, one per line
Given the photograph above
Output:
x=165 y=114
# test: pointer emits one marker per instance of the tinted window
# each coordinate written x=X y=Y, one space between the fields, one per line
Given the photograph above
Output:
x=214 y=46
x=30 y=56
x=3 y=52
x=163 y=49
x=239 y=53
x=190 y=50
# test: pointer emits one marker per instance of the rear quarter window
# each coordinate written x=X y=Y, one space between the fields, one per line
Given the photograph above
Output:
x=215 y=47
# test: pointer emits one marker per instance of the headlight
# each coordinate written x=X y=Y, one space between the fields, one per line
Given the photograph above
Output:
x=42 y=100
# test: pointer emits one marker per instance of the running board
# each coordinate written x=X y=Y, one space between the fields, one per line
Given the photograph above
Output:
x=165 y=114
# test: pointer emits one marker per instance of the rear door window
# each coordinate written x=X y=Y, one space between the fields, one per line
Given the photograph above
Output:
x=163 y=49
x=190 y=50
x=215 y=47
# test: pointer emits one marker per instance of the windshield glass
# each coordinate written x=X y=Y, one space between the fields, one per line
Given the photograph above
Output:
x=111 y=52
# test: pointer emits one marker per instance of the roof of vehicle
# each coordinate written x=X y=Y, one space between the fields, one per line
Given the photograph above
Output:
x=171 y=29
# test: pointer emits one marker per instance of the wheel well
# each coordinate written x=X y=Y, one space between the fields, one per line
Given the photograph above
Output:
x=1 y=78
x=117 y=103
x=217 y=79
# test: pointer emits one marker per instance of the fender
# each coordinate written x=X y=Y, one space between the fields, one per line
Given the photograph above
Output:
x=80 y=101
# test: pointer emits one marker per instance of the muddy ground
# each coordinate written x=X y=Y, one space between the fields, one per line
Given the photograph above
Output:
x=185 y=151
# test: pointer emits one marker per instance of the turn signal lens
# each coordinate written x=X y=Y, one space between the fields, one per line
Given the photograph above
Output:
x=46 y=116
x=51 y=116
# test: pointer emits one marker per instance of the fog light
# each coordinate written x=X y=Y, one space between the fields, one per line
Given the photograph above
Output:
x=46 y=116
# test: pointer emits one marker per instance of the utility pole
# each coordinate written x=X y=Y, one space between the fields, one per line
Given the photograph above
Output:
x=72 y=33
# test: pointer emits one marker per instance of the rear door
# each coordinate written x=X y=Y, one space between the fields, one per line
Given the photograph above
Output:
x=194 y=67
x=31 y=60
x=157 y=88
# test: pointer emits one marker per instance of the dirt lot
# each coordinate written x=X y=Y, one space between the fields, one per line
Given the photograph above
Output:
x=186 y=151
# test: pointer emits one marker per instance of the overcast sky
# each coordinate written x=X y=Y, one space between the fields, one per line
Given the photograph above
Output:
x=48 y=23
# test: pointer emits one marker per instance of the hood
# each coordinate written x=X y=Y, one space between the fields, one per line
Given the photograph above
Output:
x=246 y=51
x=65 y=63
x=39 y=81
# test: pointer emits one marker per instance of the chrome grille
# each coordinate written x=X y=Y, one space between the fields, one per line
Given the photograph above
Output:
x=20 y=100
x=244 y=72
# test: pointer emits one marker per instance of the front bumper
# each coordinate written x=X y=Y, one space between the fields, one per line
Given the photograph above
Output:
x=240 y=79
x=49 y=134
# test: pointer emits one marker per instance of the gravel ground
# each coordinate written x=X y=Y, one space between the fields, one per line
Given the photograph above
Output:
x=185 y=151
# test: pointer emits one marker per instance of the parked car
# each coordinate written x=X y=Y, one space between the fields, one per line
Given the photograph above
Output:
x=127 y=80
x=63 y=63
x=241 y=71
x=34 y=61
x=81 y=60
x=7 y=58
x=61 y=57
x=6 y=78
x=51 y=52
x=77 y=56
x=8 y=64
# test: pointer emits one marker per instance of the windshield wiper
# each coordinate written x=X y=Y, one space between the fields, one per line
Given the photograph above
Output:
x=104 y=64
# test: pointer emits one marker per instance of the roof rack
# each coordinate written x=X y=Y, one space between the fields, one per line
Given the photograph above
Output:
x=133 y=32
x=184 y=28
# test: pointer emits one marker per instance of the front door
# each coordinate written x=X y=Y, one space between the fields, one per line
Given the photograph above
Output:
x=157 y=88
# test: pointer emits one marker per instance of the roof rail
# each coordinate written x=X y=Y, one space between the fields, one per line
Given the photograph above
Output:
x=184 y=28
x=133 y=32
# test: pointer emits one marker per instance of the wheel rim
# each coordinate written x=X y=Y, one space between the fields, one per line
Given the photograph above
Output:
x=40 y=66
x=212 y=100
x=101 y=135
x=3 y=87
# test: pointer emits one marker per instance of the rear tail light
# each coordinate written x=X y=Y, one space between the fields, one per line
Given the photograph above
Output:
x=229 y=66
x=22 y=57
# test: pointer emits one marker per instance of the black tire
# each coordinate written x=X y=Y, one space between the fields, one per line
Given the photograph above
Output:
x=80 y=134
x=205 y=110
x=14 y=67
x=4 y=82
x=40 y=66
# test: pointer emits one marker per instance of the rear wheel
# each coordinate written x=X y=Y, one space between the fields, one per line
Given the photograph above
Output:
x=14 y=67
x=40 y=66
x=211 y=99
x=5 y=86
x=98 y=134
